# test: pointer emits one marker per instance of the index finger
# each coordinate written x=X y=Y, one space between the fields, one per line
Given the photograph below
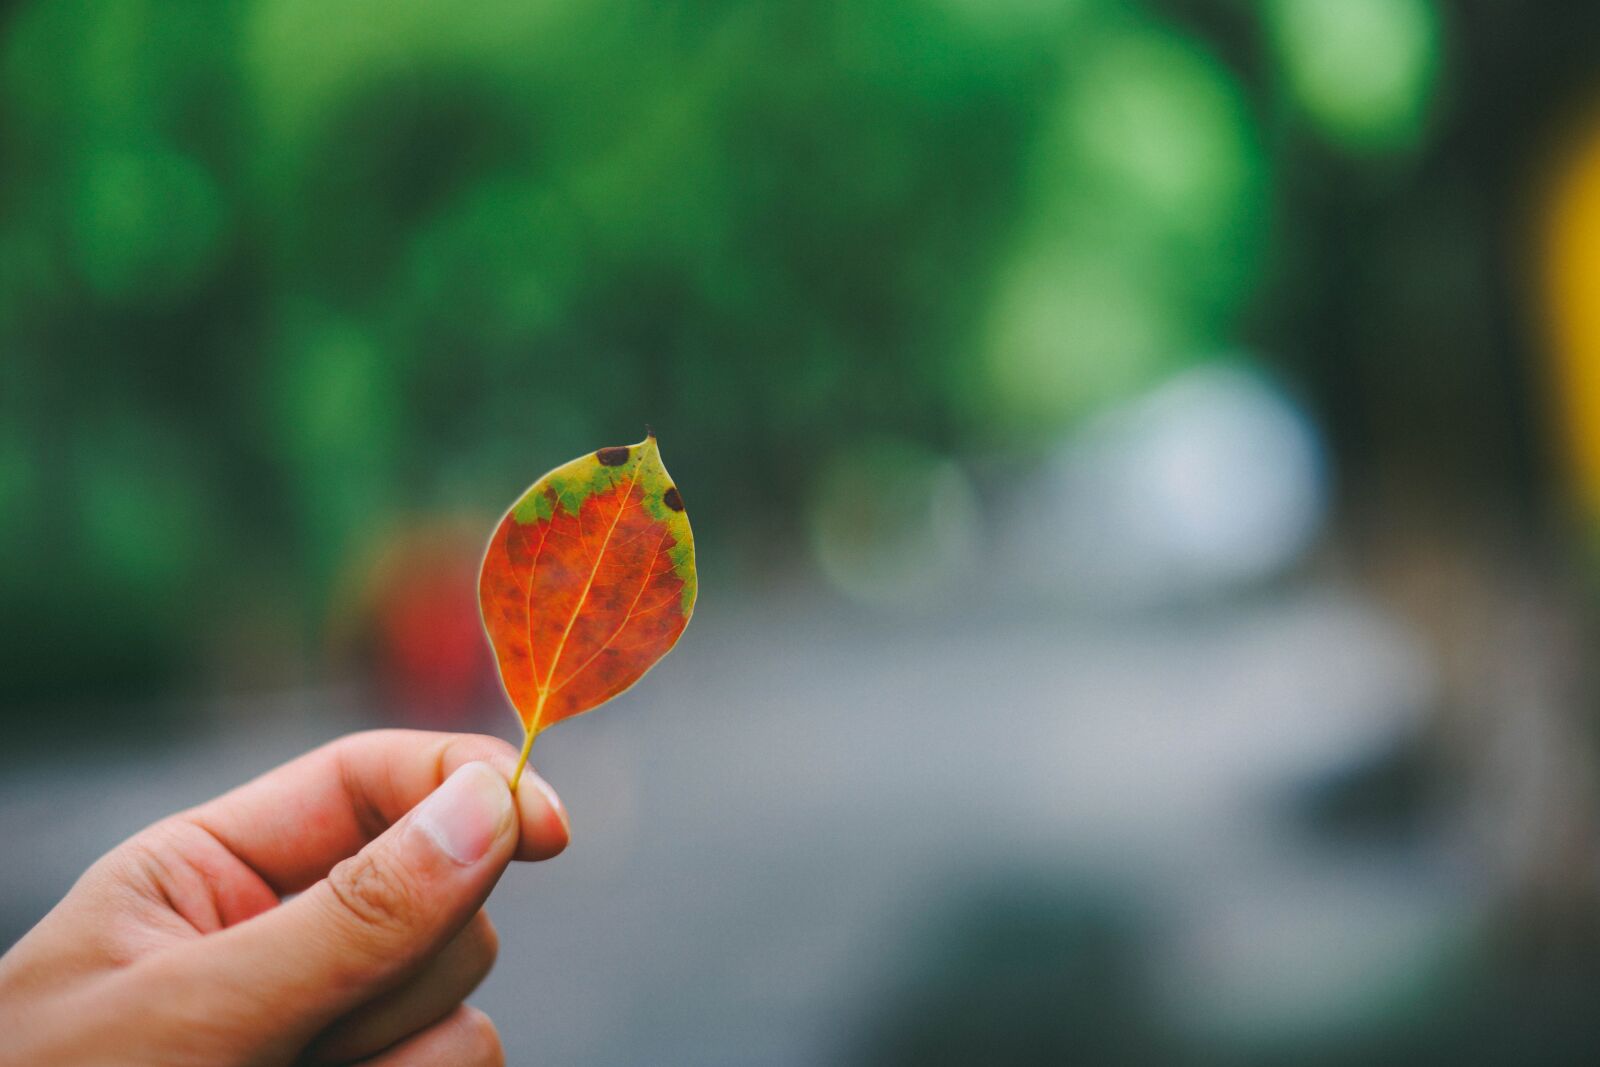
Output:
x=296 y=821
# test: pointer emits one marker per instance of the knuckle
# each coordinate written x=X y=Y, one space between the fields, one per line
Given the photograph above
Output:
x=362 y=738
x=375 y=891
x=455 y=750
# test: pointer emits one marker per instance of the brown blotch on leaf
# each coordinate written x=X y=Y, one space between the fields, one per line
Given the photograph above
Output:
x=612 y=457
x=671 y=498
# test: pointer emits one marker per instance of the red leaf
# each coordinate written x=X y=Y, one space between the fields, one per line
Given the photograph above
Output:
x=588 y=580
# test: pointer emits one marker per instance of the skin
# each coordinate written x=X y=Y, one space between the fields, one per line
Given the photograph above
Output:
x=178 y=947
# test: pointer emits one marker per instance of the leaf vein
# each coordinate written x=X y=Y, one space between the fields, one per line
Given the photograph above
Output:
x=623 y=625
x=583 y=598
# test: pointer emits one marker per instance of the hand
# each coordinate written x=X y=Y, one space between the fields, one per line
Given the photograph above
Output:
x=177 y=947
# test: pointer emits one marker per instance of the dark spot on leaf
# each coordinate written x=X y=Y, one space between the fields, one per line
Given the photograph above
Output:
x=671 y=498
x=612 y=457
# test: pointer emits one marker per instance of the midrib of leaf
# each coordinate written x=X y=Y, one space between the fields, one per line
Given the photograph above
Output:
x=583 y=599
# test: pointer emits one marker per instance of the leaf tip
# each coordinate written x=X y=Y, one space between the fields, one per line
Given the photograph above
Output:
x=649 y=432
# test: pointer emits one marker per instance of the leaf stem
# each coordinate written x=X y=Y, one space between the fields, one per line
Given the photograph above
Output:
x=522 y=760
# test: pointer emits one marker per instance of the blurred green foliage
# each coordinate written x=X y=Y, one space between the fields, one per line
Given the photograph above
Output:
x=274 y=275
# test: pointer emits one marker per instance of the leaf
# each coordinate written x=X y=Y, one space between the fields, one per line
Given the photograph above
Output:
x=588 y=580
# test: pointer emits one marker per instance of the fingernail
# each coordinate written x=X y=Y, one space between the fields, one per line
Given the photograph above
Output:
x=465 y=815
x=549 y=794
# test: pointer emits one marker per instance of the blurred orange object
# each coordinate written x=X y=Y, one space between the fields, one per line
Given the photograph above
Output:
x=1571 y=250
x=411 y=625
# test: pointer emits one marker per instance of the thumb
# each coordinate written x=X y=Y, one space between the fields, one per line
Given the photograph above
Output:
x=375 y=919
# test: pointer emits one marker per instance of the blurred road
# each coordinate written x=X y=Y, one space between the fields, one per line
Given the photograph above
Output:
x=773 y=831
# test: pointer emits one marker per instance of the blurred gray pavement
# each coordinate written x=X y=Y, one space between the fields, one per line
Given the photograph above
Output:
x=768 y=828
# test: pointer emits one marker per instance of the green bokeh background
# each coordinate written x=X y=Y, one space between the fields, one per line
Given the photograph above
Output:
x=276 y=274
